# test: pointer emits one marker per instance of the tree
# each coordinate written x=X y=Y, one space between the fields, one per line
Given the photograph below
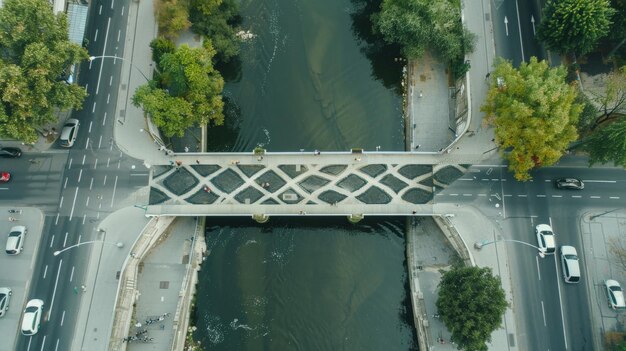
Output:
x=471 y=304
x=608 y=144
x=161 y=46
x=421 y=25
x=534 y=113
x=35 y=54
x=612 y=99
x=575 y=26
x=172 y=17
x=186 y=92
x=617 y=248
x=216 y=20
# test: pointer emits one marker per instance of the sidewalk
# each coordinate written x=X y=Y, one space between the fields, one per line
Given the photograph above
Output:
x=473 y=226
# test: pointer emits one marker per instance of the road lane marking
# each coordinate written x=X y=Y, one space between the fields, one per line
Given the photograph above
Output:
x=51 y=241
x=599 y=181
x=43 y=342
x=80 y=175
x=112 y=1
x=87 y=203
x=45 y=270
x=558 y=284
x=100 y=142
x=537 y=262
x=543 y=311
x=519 y=27
x=105 y=180
x=65 y=240
x=106 y=37
x=91 y=183
x=465 y=179
x=95 y=37
x=84 y=218
x=123 y=7
x=93 y=109
x=110 y=80
x=557 y=195
x=454 y=194
x=100 y=10
x=614 y=197
x=541 y=196
x=522 y=195
x=114 y=188
x=508 y=195
x=108 y=97
x=104 y=119
x=108 y=162
x=56 y=221
x=73 y=204
x=54 y=292
x=61 y=202
x=482 y=194
x=595 y=197
x=72 y=274
x=84 y=157
x=467 y=194
x=119 y=31
x=62 y=318
x=576 y=196
x=90 y=123
x=69 y=166
x=86 y=145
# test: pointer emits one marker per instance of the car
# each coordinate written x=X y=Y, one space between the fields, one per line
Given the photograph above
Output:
x=615 y=294
x=570 y=265
x=32 y=317
x=15 y=242
x=5 y=298
x=545 y=239
x=569 y=183
x=10 y=152
x=69 y=132
x=5 y=177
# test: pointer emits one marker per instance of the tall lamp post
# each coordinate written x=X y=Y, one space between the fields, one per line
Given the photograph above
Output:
x=91 y=58
x=603 y=213
x=479 y=245
x=118 y=244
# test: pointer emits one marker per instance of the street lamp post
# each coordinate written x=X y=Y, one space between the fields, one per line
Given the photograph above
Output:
x=603 y=213
x=479 y=245
x=91 y=58
x=118 y=244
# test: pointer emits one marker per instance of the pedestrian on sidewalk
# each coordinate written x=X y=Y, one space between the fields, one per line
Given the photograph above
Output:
x=198 y=162
x=179 y=163
x=186 y=148
x=83 y=288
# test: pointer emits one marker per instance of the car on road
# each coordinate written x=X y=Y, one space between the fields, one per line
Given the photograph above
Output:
x=15 y=242
x=5 y=177
x=5 y=298
x=615 y=294
x=569 y=183
x=569 y=264
x=545 y=239
x=10 y=152
x=69 y=132
x=32 y=317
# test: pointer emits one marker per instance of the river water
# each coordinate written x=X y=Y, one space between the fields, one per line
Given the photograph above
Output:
x=312 y=78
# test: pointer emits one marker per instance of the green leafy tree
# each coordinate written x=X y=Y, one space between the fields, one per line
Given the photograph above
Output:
x=575 y=26
x=216 y=19
x=534 y=113
x=35 y=54
x=161 y=46
x=421 y=25
x=186 y=93
x=612 y=99
x=608 y=144
x=471 y=304
x=172 y=17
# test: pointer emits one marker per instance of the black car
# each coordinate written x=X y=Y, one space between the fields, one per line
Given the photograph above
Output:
x=10 y=152
x=569 y=183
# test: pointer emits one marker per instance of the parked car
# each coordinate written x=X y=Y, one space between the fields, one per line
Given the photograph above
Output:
x=569 y=183
x=5 y=298
x=32 y=317
x=545 y=239
x=569 y=264
x=615 y=294
x=15 y=242
x=10 y=152
x=69 y=132
x=5 y=177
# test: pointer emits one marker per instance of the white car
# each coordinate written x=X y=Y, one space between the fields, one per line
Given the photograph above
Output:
x=545 y=239
x=569 y=264
x=15 y=241
x=615 y=294
x=32 y=317
x=69 y=132
x=5 y=298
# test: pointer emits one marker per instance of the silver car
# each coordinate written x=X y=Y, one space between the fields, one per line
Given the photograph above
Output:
x=5 y=298
x=69 y=132
x=32 y=317
x=15 y=241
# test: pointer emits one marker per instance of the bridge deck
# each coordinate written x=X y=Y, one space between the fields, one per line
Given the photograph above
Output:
x=298 y=184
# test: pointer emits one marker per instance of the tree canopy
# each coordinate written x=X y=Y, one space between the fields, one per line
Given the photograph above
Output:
x=421 y=25
x=35 y=54
x=186 y=92
x=471 y=304
x=575 y=26
x=608 y=144
x=216 y=19
x=534 y=113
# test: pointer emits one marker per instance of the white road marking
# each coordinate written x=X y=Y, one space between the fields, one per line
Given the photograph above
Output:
x=95 y=37
x=87 y=144
x=93 y=109
x=100 y=10
x=65 y=240
x=73 y=204
x=104 y=119
x=72 y=274
x=522 y=195
x=599 y=181
x=90 y=123
x=123 y=7
x=114 y=188
x=106 y=37
x=557 y=196
x=595 y=197
x=543 y=311
x=508 y=195
x=91 y=183
x=87 y=202
x=541 y=196
x=30 y=340
x=119 y=31
x=112 y=1
x=45 y=270
x=65 y=183
x=105 y=180
x=482 y=194
x=61 y=202
x=454 y=194
x=537 y=262
x=84 y=218
x=62 y=319
x=69 y=166
x=110 y=80
x=54 y=292
x=467 y=194
x=100 y=142
x=56 y=221
x=558 y=284
x=614 y=197
x=43 y=343
x=108 y=97
x=108 y=161
x=576 y=196
x=80 y=175
x=84 y=157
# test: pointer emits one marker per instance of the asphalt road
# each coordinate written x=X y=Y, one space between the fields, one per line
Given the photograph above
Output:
x=552 y=315
x=79 y=187
x=515 y=24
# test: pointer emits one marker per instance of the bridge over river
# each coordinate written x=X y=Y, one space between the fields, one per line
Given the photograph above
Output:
x=261 y=184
